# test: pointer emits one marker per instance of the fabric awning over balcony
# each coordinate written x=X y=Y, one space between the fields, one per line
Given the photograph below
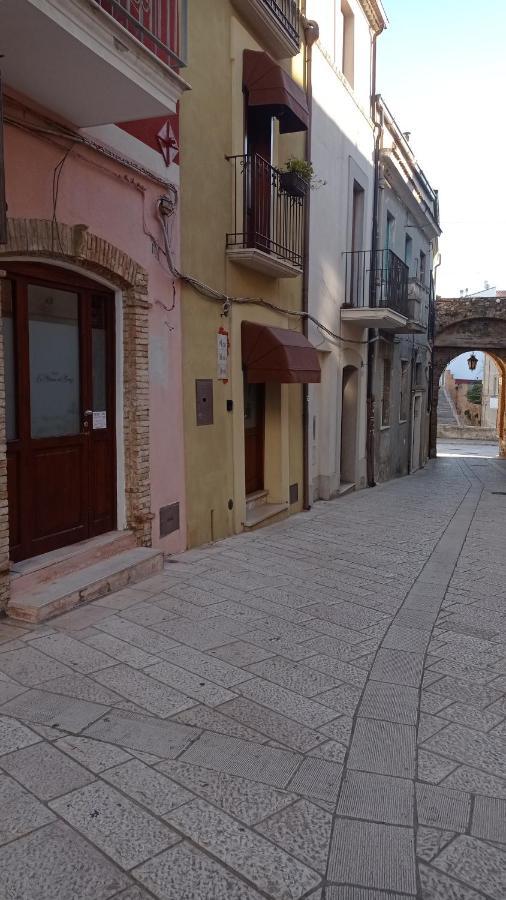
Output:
x=269 y=85
x=278 y=354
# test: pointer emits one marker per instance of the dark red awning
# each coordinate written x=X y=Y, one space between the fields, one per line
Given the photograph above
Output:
x=278 y=354
x=269 y=85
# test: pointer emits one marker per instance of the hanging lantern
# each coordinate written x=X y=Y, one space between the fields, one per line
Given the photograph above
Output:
x=472 y=362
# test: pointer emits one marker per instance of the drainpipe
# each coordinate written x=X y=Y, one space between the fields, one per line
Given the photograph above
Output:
x=372 y=334
x=311 y=34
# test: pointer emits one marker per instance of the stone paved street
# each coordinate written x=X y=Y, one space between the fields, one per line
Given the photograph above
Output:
x=315 y=710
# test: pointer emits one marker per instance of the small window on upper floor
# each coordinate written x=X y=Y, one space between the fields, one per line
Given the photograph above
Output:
x=348 y=65
x=423 y=267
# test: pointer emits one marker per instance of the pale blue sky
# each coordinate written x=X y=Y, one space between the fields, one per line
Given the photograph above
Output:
x=442 y=72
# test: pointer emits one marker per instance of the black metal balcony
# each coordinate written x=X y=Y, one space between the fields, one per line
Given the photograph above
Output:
x=376 y=279
x=268 y=211
x=160 y=25
x=286 y=13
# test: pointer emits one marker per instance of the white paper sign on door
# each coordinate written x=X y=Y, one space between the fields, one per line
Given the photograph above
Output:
x=99 y=419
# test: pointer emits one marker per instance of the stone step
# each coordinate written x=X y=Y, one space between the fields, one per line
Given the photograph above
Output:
x=30 y=574
x=71 y=590
x=257 y=498
x=259 y=515
x=346 y=487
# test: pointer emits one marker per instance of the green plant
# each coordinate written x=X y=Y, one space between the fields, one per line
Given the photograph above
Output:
x=474 y=393
x=305 y=170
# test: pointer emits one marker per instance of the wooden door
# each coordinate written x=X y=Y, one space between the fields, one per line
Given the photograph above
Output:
x=59 y=384
x=254 y=426
x=258 y=206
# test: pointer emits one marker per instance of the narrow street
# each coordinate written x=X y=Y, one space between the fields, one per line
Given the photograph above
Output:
x=313 y=710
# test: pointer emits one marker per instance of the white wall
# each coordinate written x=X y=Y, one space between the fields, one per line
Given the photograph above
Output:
x=342 y=150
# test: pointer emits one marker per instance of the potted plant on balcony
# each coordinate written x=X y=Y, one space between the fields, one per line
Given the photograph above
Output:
x=298 y=177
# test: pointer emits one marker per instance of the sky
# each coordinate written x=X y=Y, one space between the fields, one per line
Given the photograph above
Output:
x=442 y=72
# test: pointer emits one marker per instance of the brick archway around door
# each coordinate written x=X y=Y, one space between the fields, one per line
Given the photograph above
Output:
x=60 y=244
x=467 y=324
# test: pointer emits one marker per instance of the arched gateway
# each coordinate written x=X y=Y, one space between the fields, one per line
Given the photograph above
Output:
x=466 y=324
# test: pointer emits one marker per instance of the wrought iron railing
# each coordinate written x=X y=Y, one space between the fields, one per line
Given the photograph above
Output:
x=286 y=13
x=268 y=210
x=160 y=25
x=376 y=278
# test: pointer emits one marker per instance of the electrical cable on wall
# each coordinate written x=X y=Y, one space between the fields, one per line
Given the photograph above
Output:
x=166 y=209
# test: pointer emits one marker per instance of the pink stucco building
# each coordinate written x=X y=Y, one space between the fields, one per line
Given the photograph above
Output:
x=90 y=383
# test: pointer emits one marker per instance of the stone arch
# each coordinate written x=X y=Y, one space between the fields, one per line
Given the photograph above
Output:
x=42 y=239
x=462 y=325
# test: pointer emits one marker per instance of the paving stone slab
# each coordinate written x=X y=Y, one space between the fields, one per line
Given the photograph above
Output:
x=78 y=656
x=45 y=771
x=243 y=798
x=373 y=856
x=94 y=755
x=318 y=778
x=439 y=807
x=201 y=636
x=433 y=703
x=464 y=692
x=471 y=717
x=489 y=819
x=144 y=691
x=434 y=768
x=341 y=671
x=352 y=893
x=336 y=649
x=288 y=703
x=148 y=787
x=185 y=873
x=83 y=688
x=386 y=748
x=344 y=699
x=164 y=739
x=377 y=798
x=120 y=828
x=56 y=862
x=20 y=812
x=54 y=710
x=217 y=671
x=236 y=757
x=207 y=719
x=430 y=842
x=339 y=729
x=331 y=750
x=427 y=726
x=295 y=677
x=303 y=830
x=274 y=725
x=30 y=667
x=479 y=865
x=464 y=745
x=265 y=865
x=145 y=638
x=392 y=703
x=120 y=650
x=239 y=653
x=194 y=686
x=398 y=667
x=277 y=645
x=9 y=689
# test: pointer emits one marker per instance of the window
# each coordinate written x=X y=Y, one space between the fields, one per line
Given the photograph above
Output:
x=418 y=374
x=408 y=252
x=385 y=399
x=404 y=404
x=348 y=65
x=423 y=266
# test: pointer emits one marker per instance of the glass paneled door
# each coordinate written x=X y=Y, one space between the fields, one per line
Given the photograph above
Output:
x=58 y=332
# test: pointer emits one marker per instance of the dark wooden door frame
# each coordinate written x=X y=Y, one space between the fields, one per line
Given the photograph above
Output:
x=20 y=451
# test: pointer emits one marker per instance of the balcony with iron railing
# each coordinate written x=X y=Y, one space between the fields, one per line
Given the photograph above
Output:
x=268 y=218
x=111 y=60
x=159 y=25
x=376 y=290
x=276 y=22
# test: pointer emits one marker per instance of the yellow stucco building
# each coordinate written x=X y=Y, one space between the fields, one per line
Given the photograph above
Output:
x=245 y=364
